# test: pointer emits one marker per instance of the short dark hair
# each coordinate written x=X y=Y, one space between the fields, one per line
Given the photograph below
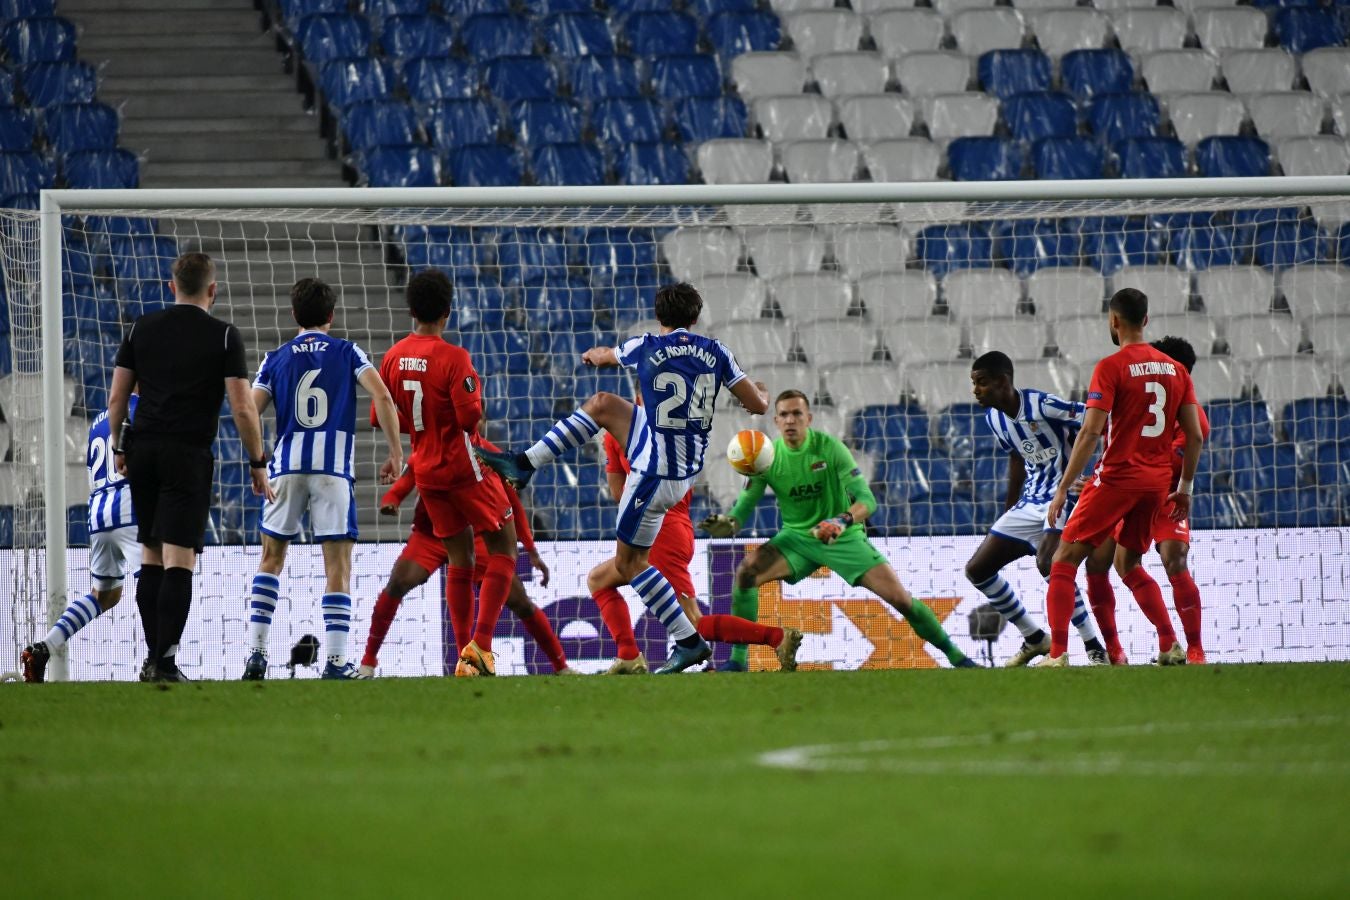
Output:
x=1178 y=348
x=193 y=272
x=678 y=305
x=1131 y=305
x=429 y=296
x=312 y=302
x=995 y=363
x=791 y=394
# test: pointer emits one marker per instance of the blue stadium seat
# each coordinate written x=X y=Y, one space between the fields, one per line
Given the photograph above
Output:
x=615 y=256
x=1265 y=470
x=661 y=33
x=81 y=126
x=1068 y=157
x=1007 y=72
x=485 y=165
x=1040 y=114
x=1087 y=73
x=1217 y=511
x=1316 y=420
x=429 y=80
x=892 y=431
x=1321 y=507
x=539 y=122
x=591 y=382
x=1026 y=245
x=964 y=430
x=692 y=75
x=348 y=81
x=25 y=172
x=652 y=163
x=1278 y=245
x=1301 y=30
x=496 y=34
x=1232 y=157
x=950 y=517
x=946 y=248
x=605 y=77
x=462 y=9
x=518 y=397
x=18 y=129
x=622 y=9
x=521 y=78
x=984 y=159
x=625 y=121
x=379 y=123
x=529 y=254
x=7 y=85
x=332 y=36
x=1150 y=158
x=1236 y=423
x=1117 y=117
x=410 y=37
x=1331 y=463
x=409 y=166
x=456 y=123
x=706 y=9
x=26 y=9
x=387 y=9
x=555 y=304
x=47 y=39
x=627 y=303
x=292 y=11
x=77 y=525
x=742 y=30
x=1198 y=246
x=578 y=34
x=701 y=119
x=47 y=84
x=554 y=7
x=506 y=350
x=479 y=302
x=568 y=164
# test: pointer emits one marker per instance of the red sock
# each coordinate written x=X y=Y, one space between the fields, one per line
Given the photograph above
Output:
x=541 y=629
x=386 y=607
x=1059 y=605
x=501 y=569
x=614 y=611
x=1149 y=597
x=1186 y=598
x=1102 y=597
x=459 y=601
x=735 y=630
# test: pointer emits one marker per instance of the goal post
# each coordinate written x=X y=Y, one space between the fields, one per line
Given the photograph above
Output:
x=373 y=234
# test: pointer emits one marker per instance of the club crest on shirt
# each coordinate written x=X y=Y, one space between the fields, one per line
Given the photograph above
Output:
x=818 y=466
x=1033 y=427
x=1094 y=395
x=470 y=384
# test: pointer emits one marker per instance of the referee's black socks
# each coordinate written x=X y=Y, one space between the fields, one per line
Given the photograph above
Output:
x=175 y=599
x=147 y=601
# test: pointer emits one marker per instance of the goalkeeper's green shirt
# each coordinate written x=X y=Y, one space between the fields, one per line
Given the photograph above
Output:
x=817 y=481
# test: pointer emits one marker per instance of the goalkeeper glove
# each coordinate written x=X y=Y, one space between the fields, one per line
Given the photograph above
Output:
x=720 y=526
x=826 y=532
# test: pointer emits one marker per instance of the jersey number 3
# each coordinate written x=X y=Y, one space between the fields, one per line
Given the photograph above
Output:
x=700 y=405
x=1159 y=409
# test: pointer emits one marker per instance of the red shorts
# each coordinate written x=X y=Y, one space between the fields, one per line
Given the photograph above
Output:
x=1165 y=528
x=482 y=506
x=424 y=550
x=672 y=553
x=1105 y=511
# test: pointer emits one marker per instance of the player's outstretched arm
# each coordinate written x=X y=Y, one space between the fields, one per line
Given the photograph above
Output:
x=1189 y=418
x=387 y=416
x=754 y=395
x=245 y=415
x=729 y=523
x=1094 y=423
x=601 y=357
x=119 y=404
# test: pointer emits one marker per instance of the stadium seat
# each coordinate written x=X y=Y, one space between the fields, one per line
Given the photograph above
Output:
x=651 y=163
x=1081 y=339
x=890 y=430
x=829 y=160
x=1150 y=158
x=1007 y=72
x=1254 y=71
x=379 y=123
x=806 y=296
x=529 y=255
x=937 y=385
x=1197 y=328
x=766 y=74
x=933 y=338
x=950 y=8
x=43 y=39
x=903 y=159
x=875 y=117
x=348 y=81
x=851 y=72
x=692 y=252
x=1086 y=73
x=1327 y=70
x=292 y=11
x=960 y=115
x=778 y=250
x=1331 y=464
x=48 y=84
x=734 y=296
x=1315 y=290
x=384 y=10
x=568 y=163
x=1280 y=245
x=1301 y=29
x=1232 y=157
x=539 y=122
x=1323 y=154
x=1026 y=335
x=1206 y=114
x=757 y=341
x=455 y=123
x=852 y=386
x=326 y=37
x=607 y=77
x=1217 y=379
x=1064 y=291
x=1236 y=290
x=1117 y=117
x=1062 y=31
x=418 y=36
x=1234 y=421
x=898 y=32
x=736 y=31
x=978 y=31
x=897 y=296
x=692 y=75
x=1025 y=245
x=1254 y=337
x=735 y=161
x=1068 y=157
x=1178 y=71
x=1316 y=420
x=101 y=169
x=489 y=35
x=985 y=159
x=862 y=250
x=1230 y=28
x=1281 y=114
x=649 y=34
x=1111 y=243
x=18 y=129
x=1340 y=114
x=968 y=292
x=1168 y=288
x=793 y=117
x=520 y=78
x=827 y=341
x=559 y=305
x=700 y=119
x=485 y=165
x=924 y=74
x=577 y=35
x=1201 y=245
x=818 y=31
x=947 y=248
x=1037 y=115
x=1144 y=30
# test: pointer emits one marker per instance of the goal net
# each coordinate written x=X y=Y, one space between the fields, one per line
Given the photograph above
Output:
x=874 y=309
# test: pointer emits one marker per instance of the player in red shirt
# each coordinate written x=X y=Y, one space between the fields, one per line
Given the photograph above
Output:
x=1173 y=538
x=671 y=555
x=1138 y=396
x=423 y=554
x=440 y=399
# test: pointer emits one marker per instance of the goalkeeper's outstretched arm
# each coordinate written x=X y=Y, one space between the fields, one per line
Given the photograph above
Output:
x=728 y=524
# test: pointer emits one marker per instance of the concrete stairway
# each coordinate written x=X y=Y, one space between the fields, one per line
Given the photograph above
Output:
x=203 y=92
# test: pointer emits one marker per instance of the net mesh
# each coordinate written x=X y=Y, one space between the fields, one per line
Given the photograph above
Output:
x=874 y=310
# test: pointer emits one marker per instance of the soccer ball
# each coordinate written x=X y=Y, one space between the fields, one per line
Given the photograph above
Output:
x=750 y=452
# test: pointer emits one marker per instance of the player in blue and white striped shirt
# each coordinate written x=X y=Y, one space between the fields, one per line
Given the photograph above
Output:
x=1037 y=430
x=112 y=548
x=311 y=381
x=679 y=375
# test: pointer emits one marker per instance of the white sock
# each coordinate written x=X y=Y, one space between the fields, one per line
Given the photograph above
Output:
x=659 y=598
x=337 y=622
x=573 y=431
x=1004 y=599
x=262 y=604
x=77 y=615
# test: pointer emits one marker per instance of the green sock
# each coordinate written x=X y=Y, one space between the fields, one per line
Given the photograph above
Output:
x=744 y=603
x=927 y=626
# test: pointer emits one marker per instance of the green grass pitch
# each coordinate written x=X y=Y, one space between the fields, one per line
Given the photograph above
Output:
x=1224 y=781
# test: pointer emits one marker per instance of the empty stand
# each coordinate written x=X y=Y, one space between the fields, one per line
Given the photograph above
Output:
x=933 y=338
x=1197 y=328
x=1286 y=379
x=1236 y=290
x=1015 y=335
x=1146 y=29
x=983 y=292
x=821 y=161
x=895 y=296
x=899 y=32
x=960 y=115
x=923 y=74
x=1230 y=28
x=757 y=342
x=1082 y=339
x=1206 y=114
x=1061 y=31
x=793 y=117
x=1320 y=155
x=1175 y=71
x=1168 y=288
x=733 y=296
x=692 y=253
x=1315 y=290
x=1281 y=114
x=818 y=31
x=852 y=72
x=1259 y=336
x=735 y=161
x=907 y=159
x=1059 y=292
x=1327 y=70
x=977 y=31
x=847 y=386
x=803 y=297
x=1254 y=71
x=778 y=250
x=939 y=385
x=875 y=117
x=863 y=250
x=826 y=341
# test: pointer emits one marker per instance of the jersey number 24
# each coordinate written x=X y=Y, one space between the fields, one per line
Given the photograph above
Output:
x=699 y=405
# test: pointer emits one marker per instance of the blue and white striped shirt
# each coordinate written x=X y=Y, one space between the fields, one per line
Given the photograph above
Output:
x=1042 y=432
x=109 y=493
x=312 y=379
x=679 y=375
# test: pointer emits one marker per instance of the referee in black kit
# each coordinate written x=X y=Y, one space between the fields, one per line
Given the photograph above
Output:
x=184 y=361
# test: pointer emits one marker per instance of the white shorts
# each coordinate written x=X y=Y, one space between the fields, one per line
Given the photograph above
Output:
x=1025 y=522
x=329 y=499
x=111 y=554
x=646 y=500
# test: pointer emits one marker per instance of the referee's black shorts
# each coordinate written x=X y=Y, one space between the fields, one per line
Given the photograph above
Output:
x=170 y=490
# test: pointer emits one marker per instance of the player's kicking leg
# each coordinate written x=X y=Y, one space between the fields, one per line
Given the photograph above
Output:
x=784 y=642
x=984 y=571
x=603 y=410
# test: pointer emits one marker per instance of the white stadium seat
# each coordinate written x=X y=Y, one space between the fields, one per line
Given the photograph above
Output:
x=863 y=250
x=1114 y=5
x=778 y=250
x=1029 y=6
x=1236 y=290
x=757 y=342
x=737 y=295
x=923 y=340
x=1014 y=335
x=735 y=161
x=901 y=32
x=978 y=31
x=871 y=7
x=1281 y=114
x=786 y=7
x=692 y=252
x=1144 y=30
x=1254 y=71
x=907 y=159
x=1327 y=70
x=1168 y=288
x=897 y=296
x=1083 y=339
x=1218 y=379
x=950 y=8
x=1340 y=113
x=1177 y=71
x=853 y=72
x=827 y=160
x=1205 y=114
x=818 y=295
x=1323 y=154
x=1281 y=381
x=1054 y=375
x=766 y=73
x=1190 y=7
x=960 y=115
x=981 y=292
x=781 y=377
x=1060 y=31
x=1060 y=291
x=1256 y=337
x=828 y=342
x=875 y=117
x=939 y=385
x=793 y=117
x=1230 y=28
x=937 y=72
x=1195 y=327
x=853 y=386
x=824 y=31
x=1330 y=335
x=1315 y=290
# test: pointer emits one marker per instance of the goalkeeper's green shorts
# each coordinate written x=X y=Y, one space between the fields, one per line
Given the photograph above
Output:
x=850 y=557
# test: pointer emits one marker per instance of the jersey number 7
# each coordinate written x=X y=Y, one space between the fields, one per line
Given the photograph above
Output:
x=416 y=388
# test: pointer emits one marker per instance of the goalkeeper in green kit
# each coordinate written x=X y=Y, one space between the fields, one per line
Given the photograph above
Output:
x=823 y=499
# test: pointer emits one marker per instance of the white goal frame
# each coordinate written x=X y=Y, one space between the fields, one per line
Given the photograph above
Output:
x=55 y=202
